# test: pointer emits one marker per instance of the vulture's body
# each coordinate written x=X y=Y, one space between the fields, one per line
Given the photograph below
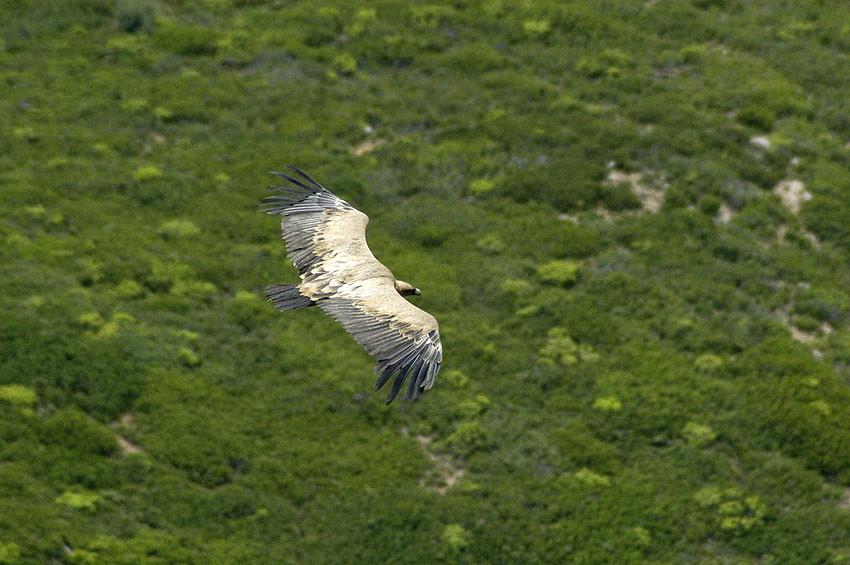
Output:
x=326 y=240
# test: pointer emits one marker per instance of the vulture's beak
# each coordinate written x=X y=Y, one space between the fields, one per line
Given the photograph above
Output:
x=416 y=292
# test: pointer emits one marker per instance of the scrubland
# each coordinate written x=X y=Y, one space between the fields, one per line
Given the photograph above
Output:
x=630 y=219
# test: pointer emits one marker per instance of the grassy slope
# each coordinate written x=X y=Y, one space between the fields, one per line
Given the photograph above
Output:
x=656 y=409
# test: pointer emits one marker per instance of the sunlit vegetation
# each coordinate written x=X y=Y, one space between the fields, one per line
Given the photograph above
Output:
x=632 y=221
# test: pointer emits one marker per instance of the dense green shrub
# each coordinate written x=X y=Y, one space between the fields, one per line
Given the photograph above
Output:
x=73 y=430
x=128 y=289
x=232 y=501
x=708 y=363
x=455 y=536
x=608 y=404
x=562 y=273
x=78 y=500
x=791 y=412
x=178 y=228
x=576 y=441
x=619 y=197
x=757 y=116
x=536 y=29
x=560 y=348
x=591 y=478
x=147 y=172
x=825 y=217
x=19 y=396
x=474 y=58
x=710 y=205
x=135 y=15
x=345 y=64
x=566 y=184
x=10 y=553
x=187 y=40
x=467 y=438
x=698 y=435
x=608 y=63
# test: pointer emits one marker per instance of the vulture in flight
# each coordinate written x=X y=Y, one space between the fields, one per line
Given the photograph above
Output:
x=326 y=240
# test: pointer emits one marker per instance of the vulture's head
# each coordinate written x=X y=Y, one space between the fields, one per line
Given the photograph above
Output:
x=406 y=289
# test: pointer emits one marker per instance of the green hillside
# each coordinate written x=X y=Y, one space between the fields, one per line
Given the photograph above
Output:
x=631 y=219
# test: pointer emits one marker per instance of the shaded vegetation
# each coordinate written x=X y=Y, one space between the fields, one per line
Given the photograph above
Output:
x=647 y=349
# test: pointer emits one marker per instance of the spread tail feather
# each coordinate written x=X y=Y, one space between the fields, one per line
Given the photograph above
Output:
x=287 y=297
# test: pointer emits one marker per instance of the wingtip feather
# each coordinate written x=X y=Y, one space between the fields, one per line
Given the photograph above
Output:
x=306 y=177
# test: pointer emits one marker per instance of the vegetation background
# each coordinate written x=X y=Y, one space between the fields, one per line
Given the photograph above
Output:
x=630 y=218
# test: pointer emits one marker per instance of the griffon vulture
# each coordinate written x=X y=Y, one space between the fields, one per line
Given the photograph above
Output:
x=326 y=240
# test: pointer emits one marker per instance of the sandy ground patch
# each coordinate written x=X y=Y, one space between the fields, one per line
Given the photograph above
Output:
x=724 y=214
x=126 y=421
x=367 y=146
x=651 y=198
x=444 y=475
x=792 y=193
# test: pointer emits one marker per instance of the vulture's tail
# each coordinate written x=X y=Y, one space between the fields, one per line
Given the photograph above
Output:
x=287 y=297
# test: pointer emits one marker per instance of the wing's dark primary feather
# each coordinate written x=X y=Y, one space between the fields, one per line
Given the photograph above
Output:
x=306 y=177
x=277 y=204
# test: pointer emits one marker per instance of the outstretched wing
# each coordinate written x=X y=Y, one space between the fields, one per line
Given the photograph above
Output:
x=326 y=240
x=404 y=338
x=325 y=235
